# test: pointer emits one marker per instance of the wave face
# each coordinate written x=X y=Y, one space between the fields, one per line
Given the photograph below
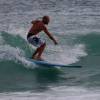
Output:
x=14 y=51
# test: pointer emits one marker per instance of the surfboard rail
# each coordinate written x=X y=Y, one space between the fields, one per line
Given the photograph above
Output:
x=46 y=63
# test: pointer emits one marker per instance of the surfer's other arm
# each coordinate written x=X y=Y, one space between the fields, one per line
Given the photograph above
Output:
x=50 y=35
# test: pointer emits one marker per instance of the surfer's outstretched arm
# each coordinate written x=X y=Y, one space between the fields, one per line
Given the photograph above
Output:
x=50 y=35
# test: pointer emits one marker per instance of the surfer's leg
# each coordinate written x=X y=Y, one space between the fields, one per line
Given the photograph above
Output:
x=38 y=42
x=37 y=54
x=41 y=49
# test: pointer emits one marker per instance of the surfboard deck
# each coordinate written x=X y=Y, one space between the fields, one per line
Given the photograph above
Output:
x=46 y=63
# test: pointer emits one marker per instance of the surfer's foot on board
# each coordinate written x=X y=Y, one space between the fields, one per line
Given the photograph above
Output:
x=36 y=58
x=40 y=59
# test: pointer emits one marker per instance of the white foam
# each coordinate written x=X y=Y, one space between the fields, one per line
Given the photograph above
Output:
x=66 y=54
x=17 y=29
x=57 y=93
x=13 y=53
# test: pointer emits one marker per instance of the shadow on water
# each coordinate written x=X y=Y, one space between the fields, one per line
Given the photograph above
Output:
x=45 y=77
x=15 y=77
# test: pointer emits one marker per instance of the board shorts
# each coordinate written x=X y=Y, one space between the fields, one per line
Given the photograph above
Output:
x=35 y=41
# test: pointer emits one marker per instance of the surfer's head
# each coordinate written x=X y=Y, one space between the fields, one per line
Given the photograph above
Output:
x=45 y=19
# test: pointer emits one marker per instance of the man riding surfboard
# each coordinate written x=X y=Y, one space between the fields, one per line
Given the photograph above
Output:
x=34 y=39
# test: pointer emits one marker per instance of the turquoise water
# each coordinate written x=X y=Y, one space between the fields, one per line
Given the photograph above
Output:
x=75 y=24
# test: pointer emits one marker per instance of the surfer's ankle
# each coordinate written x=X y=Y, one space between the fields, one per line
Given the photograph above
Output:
x=39 y=58
x=34 y=57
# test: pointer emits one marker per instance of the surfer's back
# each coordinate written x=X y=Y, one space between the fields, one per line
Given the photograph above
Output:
x=37 y=27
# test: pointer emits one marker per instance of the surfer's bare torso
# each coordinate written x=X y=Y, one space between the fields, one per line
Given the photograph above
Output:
x=37 y=27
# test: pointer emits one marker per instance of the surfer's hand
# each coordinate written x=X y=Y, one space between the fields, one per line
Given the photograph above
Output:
x=55 y=42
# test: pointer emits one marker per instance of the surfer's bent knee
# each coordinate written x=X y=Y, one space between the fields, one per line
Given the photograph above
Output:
x=43 y=45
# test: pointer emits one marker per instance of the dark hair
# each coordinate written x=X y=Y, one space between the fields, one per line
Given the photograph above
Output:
x=45 y=19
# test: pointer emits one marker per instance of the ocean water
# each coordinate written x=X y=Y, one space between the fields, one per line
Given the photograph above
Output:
x=76 y=25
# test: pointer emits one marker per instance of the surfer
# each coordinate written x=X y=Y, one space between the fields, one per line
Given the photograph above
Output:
x=34 y=39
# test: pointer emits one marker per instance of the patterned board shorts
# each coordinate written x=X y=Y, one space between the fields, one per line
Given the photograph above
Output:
x=36 y=41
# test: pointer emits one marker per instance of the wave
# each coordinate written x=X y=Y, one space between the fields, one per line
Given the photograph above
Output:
x=70 y=50
x=15 y=47
x=91 y=42
x=80 y=50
